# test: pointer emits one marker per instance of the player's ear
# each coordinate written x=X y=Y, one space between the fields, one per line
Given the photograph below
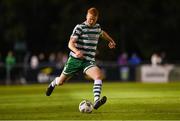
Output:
x=86 y=15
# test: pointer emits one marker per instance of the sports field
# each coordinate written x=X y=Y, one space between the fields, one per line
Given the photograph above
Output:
x=126 y=101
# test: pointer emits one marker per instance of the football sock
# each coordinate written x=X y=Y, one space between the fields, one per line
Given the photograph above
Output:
x=97 y=89
x=55 y=82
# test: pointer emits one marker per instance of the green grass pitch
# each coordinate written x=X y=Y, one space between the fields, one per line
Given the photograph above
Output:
x=126 y=101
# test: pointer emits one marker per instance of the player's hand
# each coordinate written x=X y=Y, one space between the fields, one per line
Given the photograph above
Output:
x=79 y=54
x=112 y=44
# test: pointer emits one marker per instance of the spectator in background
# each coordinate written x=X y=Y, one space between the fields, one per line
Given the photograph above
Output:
x=41 y=58
x=10 y=62
x=123 y=68
x=64 y=58
x=34 y=62
x=156 y=59
x=52 y=58
x=123 y=59
x=134 y=60
x=33 y=71
x=61 y=59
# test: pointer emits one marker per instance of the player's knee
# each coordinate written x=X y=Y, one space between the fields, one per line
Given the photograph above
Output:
x=61 y=83
x=99 y=77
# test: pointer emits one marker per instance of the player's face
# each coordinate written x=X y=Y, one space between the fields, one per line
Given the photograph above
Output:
x=91 y=20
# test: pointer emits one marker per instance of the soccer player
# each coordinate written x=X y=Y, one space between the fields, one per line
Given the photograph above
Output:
x=83 y=43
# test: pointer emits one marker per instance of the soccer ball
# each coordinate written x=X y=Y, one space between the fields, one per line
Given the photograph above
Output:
x=85 y=106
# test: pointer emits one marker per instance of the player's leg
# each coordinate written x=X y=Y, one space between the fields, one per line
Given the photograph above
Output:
x=57 y=81
x=96 y=74
x=72 y=66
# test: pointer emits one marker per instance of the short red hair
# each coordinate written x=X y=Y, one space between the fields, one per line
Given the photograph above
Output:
x=93 y=11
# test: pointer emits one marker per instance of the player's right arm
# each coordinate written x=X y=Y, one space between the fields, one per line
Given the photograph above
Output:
x=72 y=47
x=73 y=39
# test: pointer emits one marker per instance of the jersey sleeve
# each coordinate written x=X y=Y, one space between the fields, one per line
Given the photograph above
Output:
x=77 y=31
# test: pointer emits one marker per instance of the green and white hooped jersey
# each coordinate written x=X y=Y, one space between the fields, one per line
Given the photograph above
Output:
x=87 y=40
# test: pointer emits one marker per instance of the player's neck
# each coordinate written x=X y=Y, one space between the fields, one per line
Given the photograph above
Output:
x=90 y=25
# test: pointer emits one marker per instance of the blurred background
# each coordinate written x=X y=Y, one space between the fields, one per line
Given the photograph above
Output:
x=34 y=35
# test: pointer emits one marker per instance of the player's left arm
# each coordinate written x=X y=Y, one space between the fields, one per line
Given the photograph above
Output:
x=104 y=35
